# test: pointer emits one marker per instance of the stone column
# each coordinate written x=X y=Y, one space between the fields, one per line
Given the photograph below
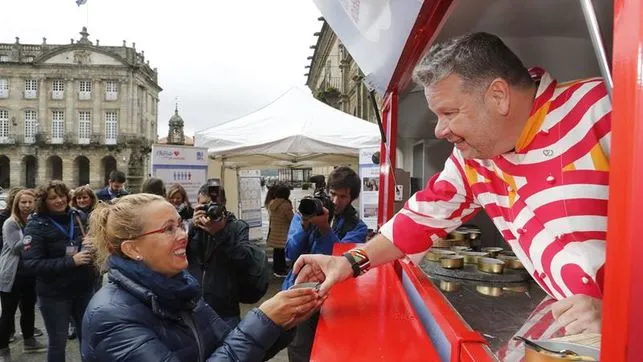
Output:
x=70 y=171
x=41 y=165
x=71 y=114
x=98 y=123
x=96 y=170
x=43 y=114
x=16 y=175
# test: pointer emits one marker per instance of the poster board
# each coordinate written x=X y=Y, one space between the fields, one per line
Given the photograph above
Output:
x=184 y=165
x=369 y=174
x=250 y=197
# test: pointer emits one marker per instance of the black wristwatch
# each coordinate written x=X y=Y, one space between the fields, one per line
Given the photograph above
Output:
x=359 y=261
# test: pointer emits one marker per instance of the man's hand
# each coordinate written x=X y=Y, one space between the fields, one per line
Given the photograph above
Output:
x=321 y=221
x=202 y=221
x=578 y=314
x=328 y=270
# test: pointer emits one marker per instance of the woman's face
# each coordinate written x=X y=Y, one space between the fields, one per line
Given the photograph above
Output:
x=176 y=199
x=163 y=250
x=55 y=202
x=26 y=204
x=83 y=200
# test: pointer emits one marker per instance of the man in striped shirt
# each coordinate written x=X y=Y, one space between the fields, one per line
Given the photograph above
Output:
x=532 y=152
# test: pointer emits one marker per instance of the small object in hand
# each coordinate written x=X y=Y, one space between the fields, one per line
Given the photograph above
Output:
x=555 y=351
x=313 y=285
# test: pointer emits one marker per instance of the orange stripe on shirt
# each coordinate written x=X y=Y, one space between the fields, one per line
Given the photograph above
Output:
x=532 y=127
x=601 y=163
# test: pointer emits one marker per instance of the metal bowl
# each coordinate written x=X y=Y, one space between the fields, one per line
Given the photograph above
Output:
x=489 y=290
x=449 y=286
x=471 y=257
x=507 y=253
x=531 y=355
x=452 y=261
x=511 y=262
x=491 y=265
x=435 y=254
x=459 y=248
x=493 y=251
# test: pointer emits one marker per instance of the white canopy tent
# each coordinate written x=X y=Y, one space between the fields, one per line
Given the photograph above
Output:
x=295 y=130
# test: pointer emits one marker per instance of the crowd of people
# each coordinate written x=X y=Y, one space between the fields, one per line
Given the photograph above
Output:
x=116 y=270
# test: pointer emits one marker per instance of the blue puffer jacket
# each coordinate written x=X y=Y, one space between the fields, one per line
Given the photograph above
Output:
x=126 y=322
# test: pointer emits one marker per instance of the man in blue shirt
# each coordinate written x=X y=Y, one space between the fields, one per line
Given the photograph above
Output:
x=317 y=235
x=115 y=187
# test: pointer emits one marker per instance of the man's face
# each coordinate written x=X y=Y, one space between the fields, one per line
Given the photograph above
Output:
x=203 y=199
x=465 y=118
x=116 y=186
x=341 y=198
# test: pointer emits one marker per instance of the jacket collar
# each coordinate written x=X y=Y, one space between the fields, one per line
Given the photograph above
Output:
x=143 y=294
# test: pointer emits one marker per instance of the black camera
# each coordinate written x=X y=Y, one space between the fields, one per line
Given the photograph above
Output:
x=213 y=210
x=311 y=206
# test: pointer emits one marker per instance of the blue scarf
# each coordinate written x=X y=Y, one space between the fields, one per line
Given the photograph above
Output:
x=179 y=292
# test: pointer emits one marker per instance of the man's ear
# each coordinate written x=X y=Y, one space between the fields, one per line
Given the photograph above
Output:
x=131 y=250
x=498 y=95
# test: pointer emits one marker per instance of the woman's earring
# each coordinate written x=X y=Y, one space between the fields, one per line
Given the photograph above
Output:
x=139 y=258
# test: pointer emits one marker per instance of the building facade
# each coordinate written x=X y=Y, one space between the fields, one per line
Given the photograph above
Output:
x=334 y=77
x=75 y=112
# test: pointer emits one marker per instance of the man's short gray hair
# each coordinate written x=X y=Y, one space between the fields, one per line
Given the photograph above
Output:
x=477 y=58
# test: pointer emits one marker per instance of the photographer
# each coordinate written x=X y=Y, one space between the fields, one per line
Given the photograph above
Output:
x=336 y=222
x=230 y=269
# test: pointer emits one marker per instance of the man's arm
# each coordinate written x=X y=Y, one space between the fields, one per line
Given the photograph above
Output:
x=445 y=203
x=430 y=214
x=297 y=242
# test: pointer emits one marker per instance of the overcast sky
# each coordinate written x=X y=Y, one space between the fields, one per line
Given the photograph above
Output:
x=221 y=58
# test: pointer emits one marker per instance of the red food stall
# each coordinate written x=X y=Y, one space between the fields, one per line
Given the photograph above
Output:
x=434 y=329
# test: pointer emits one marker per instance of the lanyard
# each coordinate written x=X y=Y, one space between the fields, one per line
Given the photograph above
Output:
x=71 y=226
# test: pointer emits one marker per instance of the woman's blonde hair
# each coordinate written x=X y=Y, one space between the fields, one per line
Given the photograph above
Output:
x=111 y=224
x=178 y=188
x=15 y=208
x=87 y=191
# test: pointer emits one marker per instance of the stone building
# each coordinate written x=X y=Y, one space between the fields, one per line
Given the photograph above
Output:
x=75 y=112
x=334 y=77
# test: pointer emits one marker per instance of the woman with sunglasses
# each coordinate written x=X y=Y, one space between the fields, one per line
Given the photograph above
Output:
x=53 y=252
x=152 y=309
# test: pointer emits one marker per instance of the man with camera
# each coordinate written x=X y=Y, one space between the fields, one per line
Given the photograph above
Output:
x=230 y=269
x=322 y=221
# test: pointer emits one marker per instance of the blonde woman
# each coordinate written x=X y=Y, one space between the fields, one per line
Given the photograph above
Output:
x=177 y=196
x=16 y=287
x=152 y=308
x=84 y=199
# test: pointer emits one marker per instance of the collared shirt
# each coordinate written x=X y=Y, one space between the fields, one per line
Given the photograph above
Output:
x=548 y=198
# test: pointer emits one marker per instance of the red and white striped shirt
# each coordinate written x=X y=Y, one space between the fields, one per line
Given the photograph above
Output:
x=548 y=198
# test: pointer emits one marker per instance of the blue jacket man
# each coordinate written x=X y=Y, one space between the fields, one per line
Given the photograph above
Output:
x=115 y=188
x=346 y=228
x=317 y=235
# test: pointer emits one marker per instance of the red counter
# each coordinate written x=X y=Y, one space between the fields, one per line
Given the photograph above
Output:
x=393 y=313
